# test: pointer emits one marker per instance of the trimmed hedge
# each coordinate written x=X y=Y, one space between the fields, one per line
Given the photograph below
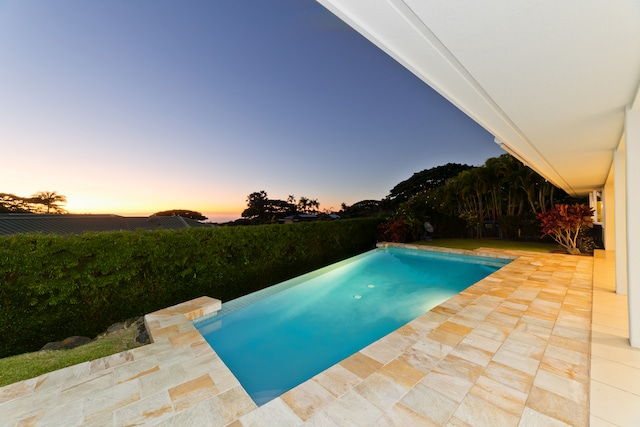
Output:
x=54 y=286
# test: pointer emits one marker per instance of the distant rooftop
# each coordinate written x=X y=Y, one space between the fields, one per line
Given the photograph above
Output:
x=78 y=224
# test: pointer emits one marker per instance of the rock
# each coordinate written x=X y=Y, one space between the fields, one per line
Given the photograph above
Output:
x=142 y=337
x=115 y=327
x=73 y=342
x=67 y=343
x=131 y=321
x=56 y=345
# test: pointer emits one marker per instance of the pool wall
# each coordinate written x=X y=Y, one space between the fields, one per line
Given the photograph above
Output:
x=436 y=249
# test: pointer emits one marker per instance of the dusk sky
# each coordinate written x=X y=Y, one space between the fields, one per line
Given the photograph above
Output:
x=136 y=107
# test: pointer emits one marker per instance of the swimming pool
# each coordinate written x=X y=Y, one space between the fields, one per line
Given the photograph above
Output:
x=279 y=337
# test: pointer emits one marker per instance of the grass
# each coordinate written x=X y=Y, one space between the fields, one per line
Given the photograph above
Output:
x=471 y=244
x=29 y=365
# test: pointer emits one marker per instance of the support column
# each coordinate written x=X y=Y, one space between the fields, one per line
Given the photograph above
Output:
x=632 y=148
x=620 y=217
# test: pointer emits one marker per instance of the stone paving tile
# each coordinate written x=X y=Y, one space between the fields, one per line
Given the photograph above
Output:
x=337 y=380
x=275 y=413
x=402 y=373
x=361 y=364
x=456 y=422
x=162 y=379
x=479 y=341
x=531 y=417
x=480 y=412
x=513 y=349
x=446 y=338
x=504 y=397
x=473 y=354
x=63 y=416
x=559 y=407
x=320 y=420
x=392 y=345
x=191 y=392
x=430 y=404
x=307 y=399
x=516 y=360
x=217 y=411
x=381 y=391
x=401 y=416
x=509 y=377
x=17 y=390
x=152 y=409
x=559 y=384
x=112 y=399
x=353 y=409
x=93 y=384
x=419 y=360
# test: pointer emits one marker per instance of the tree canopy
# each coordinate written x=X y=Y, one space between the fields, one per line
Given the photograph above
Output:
x=43 y=202
x=362 y=208
x=263 y=209
x=501 y=197
x=425 y=180
x=498 y=199
x=260 y=208
x=184 y=213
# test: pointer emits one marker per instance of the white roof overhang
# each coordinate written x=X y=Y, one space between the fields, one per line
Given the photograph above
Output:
x=549 y=79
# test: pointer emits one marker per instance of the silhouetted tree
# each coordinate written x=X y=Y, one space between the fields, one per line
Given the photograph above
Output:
x=256 y=202
x=424 y=180
x=10 y=203
x=308 y=206
x=363 y=208
x=261 y=209
x=51 y=201
x=183 y=213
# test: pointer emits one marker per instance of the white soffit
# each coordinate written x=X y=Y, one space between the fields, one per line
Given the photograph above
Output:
x=549 y=78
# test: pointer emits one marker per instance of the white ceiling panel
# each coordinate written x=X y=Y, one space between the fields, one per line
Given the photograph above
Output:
x=549 y=78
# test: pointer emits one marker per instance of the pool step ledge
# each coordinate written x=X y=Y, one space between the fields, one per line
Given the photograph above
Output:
x=170 y=321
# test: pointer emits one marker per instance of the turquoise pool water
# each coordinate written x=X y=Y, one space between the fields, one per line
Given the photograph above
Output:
x=280 y=337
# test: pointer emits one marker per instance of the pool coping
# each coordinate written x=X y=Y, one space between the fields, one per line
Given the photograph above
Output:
x=532 y=365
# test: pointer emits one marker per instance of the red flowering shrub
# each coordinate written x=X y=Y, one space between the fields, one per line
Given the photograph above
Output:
x=564 y=223
x=394 y=230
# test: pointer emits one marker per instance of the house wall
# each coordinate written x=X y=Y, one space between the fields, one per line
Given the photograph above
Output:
x=632 y=151
x=620 y=217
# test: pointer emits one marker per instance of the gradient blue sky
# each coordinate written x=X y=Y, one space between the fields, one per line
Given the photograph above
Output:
x=132 y=107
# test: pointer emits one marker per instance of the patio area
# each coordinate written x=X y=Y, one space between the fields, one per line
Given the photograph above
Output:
x=521 y=347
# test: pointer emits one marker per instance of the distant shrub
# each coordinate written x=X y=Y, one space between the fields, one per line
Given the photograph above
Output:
x=55 y=286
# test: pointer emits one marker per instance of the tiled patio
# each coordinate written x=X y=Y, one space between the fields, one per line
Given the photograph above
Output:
x=513 y=349
x=615 y=366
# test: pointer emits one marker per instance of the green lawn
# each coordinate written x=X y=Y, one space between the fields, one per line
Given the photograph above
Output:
x=471 y=244
x=29 y=365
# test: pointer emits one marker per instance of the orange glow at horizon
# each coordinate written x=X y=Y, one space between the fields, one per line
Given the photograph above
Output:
x=124 y=204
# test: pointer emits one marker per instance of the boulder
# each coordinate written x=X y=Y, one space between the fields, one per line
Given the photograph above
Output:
x=67 y=343
x=73 y=342
x=115 y=327
x=142 y=337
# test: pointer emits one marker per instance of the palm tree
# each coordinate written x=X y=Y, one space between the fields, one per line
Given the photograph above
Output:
x=51 y=200
x=495 y=172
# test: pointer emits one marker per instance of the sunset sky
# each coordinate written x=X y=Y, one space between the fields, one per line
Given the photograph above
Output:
x=132 y=107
